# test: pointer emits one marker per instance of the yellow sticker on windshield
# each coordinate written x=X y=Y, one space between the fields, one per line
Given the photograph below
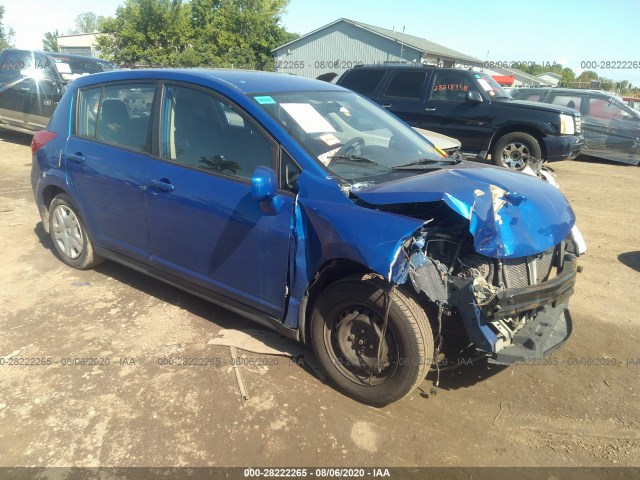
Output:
x=329 y=139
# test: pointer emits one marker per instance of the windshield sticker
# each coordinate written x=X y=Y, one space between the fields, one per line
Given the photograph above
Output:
x=330 y=139
x=63 y=67
x=265 y=100
x=308 y=117
x=345 y=111
x=484 y=84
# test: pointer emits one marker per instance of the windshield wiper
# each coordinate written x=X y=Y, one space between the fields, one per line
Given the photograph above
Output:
x=352 y=158
x=423 y=163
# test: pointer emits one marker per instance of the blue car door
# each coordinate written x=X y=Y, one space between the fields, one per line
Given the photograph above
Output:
x=203 y=224
x=106 y=160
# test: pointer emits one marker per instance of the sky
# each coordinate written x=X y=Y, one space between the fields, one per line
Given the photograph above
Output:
x=569 y=32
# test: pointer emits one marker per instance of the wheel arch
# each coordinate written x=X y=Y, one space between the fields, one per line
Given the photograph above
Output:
x=48 y=194
x=519 y=127
x=331 y=272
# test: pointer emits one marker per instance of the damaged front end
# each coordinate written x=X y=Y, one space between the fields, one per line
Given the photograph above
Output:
x=499 y=263
x=513 y=309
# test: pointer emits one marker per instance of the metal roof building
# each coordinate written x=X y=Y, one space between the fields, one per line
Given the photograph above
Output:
x=345 y=43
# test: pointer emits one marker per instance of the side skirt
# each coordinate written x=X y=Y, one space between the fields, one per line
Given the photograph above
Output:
x=225 y=302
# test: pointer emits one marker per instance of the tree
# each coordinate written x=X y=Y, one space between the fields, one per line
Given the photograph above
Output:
x=148 y=32
x=238 y=33
x=587 y=76
x=50 y=41
x=222 y=33
x=87 y=22
x=6 y=36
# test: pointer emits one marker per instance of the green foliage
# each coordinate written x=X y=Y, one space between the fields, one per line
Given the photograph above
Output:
x=587 y=76
x=50 y=41
x=212 y=33
x=6 y=35
x=148 y=32
x=87 y=22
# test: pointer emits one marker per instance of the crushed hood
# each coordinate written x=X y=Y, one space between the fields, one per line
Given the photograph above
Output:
x=510 y=214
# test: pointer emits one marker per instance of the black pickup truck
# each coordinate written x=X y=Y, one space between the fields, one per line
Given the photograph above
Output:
x=32 y=83
x=472 y=107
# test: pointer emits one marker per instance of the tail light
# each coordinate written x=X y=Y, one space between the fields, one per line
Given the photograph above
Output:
x=40 y=139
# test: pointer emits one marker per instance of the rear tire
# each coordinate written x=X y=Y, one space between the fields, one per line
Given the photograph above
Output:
x=346 y=326
x=514 y=150
x=69 y=235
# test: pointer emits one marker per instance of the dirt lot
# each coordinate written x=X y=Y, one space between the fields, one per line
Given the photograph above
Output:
x=135 y=412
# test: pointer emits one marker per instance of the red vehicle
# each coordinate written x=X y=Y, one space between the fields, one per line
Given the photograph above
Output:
x=633 y=102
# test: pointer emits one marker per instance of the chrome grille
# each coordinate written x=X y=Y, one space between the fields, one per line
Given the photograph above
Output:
x=516 y=270
x=578 y=124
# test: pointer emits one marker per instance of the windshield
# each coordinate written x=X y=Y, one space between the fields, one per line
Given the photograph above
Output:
x=72 y=67
x=354 y=138
x=491 y=87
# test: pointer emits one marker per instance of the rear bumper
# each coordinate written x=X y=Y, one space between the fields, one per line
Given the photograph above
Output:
x=562 y=147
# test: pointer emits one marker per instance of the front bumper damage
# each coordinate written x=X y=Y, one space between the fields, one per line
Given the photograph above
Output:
x=540 y=311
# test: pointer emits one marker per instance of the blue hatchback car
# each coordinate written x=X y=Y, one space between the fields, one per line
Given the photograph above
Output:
x=309 y=209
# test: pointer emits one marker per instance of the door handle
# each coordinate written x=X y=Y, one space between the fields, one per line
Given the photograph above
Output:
x=430 y=109
x=386 y=106
x=76 y=157
x=163 y=185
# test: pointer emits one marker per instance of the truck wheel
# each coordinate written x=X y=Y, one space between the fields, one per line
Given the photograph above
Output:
x=346 y=328
x=514 y=150
x=69 y=235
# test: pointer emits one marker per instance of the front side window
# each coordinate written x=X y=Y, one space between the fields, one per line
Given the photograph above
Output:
x=607 y=110
x=199 y=130
x=451 y=86
x=352 y=137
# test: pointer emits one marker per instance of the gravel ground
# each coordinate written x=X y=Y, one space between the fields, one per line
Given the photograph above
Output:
x=135 y=412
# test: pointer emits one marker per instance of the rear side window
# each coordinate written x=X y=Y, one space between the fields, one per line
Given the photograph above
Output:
x=363 y=81
x=406 y=84
x=117 y=114
x=88 y=112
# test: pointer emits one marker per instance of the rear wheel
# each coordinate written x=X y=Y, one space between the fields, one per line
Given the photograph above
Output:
x=69 y=235
x=515 y=150
x=346 y=331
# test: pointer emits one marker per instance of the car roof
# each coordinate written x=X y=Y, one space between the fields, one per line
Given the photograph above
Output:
x=564 y=90
x=245 y=81
x=406 y=66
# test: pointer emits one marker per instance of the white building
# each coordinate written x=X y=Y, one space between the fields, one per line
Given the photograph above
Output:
x=79 y=44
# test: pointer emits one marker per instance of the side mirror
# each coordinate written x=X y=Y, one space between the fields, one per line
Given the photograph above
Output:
x=264 y=189
x=473 y=97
